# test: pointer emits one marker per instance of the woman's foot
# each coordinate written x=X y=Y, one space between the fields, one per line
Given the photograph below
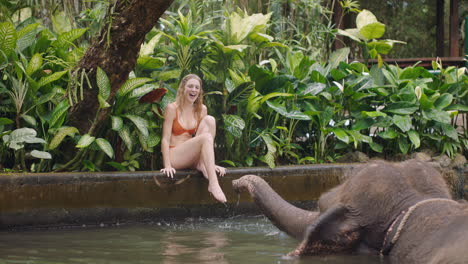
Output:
x=217 y=193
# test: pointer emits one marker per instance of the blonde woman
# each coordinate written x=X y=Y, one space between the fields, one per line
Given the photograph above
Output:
x=188 y=135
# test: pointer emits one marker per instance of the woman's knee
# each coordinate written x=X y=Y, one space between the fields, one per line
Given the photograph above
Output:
x=209 y=121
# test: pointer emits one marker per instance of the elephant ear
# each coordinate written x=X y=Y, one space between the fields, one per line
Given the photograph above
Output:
x=335 y=231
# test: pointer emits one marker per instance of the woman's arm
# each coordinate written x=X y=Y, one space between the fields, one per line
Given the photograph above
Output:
x=169 y=115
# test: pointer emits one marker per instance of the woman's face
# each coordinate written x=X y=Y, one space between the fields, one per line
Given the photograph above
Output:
x=192 y=90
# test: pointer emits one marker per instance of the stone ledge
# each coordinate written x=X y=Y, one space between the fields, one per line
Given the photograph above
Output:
x=76 y=199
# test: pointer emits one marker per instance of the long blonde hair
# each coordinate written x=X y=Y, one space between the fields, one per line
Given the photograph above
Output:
x=180 y=95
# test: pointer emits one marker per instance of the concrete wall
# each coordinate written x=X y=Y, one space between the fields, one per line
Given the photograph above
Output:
x=76 y=199
x=107 y=198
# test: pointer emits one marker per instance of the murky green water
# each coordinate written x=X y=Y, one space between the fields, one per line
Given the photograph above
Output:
x=234 y=240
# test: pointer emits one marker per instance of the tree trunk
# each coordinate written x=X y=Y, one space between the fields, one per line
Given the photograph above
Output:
x=288 y=218
x=116 y=53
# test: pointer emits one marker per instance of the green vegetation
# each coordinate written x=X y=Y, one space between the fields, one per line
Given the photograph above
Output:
x=279 y=93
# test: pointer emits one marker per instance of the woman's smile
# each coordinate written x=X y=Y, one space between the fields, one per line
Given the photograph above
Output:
x=192 y=90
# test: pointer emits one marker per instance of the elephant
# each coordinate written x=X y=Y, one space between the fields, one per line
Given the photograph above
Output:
x=400 y=210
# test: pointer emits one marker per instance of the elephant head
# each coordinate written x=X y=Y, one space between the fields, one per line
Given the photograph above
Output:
x=397 y=209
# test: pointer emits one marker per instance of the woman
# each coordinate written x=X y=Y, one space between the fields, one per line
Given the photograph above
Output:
x=188 y=135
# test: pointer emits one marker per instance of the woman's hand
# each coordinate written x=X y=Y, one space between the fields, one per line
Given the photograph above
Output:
x=169 y=172
x=220 y=170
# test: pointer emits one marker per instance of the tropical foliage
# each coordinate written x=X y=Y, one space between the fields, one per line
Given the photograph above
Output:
x=278 y=92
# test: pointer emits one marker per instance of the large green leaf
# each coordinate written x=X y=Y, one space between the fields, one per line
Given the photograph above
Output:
x=376 y=147
x=51 y=78
x=436 y=115
x=66 y=39
x=403 y=144
x=253 y=103
x=364 y=123
x=148 y=47
x=373 y=114
x=388 y=134
x=20 y=136
x=373 y=31
x=260 y=37
x=5 y=121
x=131 y=84
x=401 y=108
x=336 y=57
x=275 y=94
x=443 y=101
x=150 y=63
x=234 y=124
x=34 y=64
x=403 y=122
x=41 y=154
x=124 y=134
x=314 y=88
x=153 y=139
x=449 y=131
x=85 y=141
x=358 y=137
x=381 y=47
x=105 y=146
x=7 y=39
x=103 y=83
x=61 y=23
x=102 y=102
x=241 y=26
x=271 y=150
x=280 y=109
x=140 y=123
x=341 y=135
x=117 y=123
x=352 y=33
x=364 y=18
x=61 y=133
x=414 y=137
x=458 y=107
x=26 y=36
x=58 y=114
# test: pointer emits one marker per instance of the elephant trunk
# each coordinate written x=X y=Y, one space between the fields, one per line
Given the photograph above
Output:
x=282 y=214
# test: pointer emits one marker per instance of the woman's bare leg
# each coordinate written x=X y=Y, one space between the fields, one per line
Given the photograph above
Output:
x=208 y=125
x=190 y=153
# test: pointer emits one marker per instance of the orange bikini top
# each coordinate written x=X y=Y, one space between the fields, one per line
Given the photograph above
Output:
x=177 y=128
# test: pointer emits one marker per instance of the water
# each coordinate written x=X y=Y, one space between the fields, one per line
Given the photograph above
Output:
x=234 y=240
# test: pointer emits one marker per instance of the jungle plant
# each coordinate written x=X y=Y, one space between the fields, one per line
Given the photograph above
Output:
x=367 y=32
x=141 y=126
x=17 y=140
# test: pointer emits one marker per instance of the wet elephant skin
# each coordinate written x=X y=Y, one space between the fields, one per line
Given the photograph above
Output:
x=402 y=210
